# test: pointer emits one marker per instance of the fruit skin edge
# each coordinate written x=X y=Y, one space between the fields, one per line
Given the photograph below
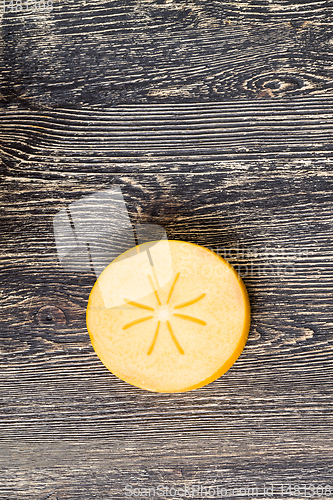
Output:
x=228 y=364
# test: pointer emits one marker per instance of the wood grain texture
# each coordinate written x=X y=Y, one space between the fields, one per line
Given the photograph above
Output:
x=103 y=53
x=164 y=138
x=215 y=119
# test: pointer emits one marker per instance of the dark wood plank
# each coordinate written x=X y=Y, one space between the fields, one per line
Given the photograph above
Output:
x=105 y=53
x=164 y=138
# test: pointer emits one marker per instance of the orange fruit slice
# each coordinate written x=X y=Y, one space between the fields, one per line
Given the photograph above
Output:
x=168 y=316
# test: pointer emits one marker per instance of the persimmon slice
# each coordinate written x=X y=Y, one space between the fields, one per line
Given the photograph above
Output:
x=168 y=316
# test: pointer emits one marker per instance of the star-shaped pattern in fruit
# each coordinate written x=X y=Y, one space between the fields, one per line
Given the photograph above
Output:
x=163 y=313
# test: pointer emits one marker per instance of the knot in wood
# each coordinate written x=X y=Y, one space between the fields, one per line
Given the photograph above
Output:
x=51 y=316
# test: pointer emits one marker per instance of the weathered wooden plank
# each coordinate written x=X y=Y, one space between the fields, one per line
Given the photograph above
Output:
x=164 y=138
x=105 y=53
x=72 y=471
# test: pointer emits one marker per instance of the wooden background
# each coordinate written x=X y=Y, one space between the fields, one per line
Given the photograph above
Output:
x=215 y=118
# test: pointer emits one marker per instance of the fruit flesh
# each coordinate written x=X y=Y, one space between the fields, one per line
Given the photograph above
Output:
x=168 y=316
